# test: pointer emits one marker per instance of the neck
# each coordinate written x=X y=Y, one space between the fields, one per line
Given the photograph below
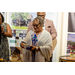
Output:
x=40 y=31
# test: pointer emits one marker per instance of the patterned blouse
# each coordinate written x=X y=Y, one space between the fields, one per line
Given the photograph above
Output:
x=34 y=43
x=4 y=48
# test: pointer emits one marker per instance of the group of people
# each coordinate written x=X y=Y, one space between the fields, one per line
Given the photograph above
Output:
x=41 y=49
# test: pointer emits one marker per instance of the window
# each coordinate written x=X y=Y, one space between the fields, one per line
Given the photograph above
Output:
x=71 y=31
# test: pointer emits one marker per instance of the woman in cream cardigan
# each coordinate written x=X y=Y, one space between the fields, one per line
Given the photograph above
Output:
x=40 y=49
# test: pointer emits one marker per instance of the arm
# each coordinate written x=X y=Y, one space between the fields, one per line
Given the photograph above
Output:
x=22 y=44
x=25 y=40
x=9 y=32
x=54 y=43
x=53 y=31
x=46 y=49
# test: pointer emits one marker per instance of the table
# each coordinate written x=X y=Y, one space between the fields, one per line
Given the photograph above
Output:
x=66 y=58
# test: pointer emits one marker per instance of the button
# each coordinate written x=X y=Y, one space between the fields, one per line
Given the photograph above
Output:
x=49 y=26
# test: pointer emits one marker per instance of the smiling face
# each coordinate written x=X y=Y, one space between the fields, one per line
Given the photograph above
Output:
x=36 y=26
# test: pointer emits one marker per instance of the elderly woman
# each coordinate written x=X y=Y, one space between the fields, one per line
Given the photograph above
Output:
x=40 y=42
x=5 y=31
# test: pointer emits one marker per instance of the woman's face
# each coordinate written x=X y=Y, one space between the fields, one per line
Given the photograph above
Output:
x=0 y=20
x=37 y=26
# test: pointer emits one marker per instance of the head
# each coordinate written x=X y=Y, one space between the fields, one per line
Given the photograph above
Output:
x=38 y=23
x=41 y=14
x=1 y=18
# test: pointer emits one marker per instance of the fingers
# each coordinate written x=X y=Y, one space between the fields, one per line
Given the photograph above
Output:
x=33 y=48
x=22 y=45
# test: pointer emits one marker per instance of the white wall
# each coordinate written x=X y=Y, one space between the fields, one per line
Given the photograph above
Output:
x=54 y=17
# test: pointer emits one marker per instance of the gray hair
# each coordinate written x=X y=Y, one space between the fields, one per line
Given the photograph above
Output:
x=41 y=20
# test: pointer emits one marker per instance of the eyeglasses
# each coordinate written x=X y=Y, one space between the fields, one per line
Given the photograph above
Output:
x=41 y=15
x=35 y=25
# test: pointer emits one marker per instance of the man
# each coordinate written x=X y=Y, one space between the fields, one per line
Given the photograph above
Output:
x=49 y=26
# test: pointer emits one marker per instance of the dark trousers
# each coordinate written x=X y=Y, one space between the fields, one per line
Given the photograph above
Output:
x=51 y=58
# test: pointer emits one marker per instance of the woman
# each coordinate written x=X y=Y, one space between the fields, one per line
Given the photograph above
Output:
x=5 y=31
x=40 y=42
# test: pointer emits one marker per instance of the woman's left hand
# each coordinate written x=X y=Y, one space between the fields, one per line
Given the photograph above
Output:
x=33 y=48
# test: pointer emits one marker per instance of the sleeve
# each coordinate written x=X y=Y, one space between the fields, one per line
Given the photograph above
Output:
x=54 y=43
x=5 y=26
x=53 y=31
x=46 y=49
x=25 y=40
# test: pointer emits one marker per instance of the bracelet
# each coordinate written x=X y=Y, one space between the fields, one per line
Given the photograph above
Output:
x=36 y=48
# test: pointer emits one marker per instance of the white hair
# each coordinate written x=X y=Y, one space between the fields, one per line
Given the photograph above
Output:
x=41 y=20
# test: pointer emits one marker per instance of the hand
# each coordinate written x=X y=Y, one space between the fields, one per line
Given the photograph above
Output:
x=53 y=36
x=22 y=45
x=33 y=48
x=2 y=29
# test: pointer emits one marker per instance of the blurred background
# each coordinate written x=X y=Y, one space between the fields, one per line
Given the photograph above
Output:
x=64 y=23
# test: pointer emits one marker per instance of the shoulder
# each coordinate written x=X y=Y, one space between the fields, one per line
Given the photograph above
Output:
x=31 y=22
x=46 y=32
x=49 y=20
x=5 y=23
x=30 y=32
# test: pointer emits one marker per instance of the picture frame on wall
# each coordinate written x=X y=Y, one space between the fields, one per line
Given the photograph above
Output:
x=20 y=20
x=71 y=31
x=71 y=22
x=70 y=42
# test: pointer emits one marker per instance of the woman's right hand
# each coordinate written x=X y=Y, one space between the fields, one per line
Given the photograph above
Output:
x=22 y=45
